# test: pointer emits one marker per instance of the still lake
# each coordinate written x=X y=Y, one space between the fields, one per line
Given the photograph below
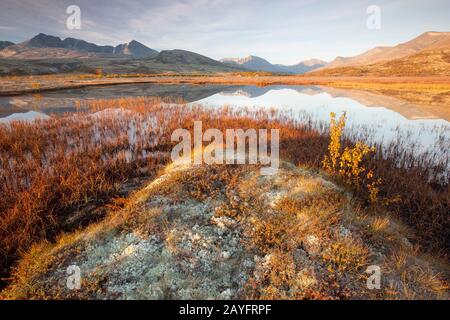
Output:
x=385 y=118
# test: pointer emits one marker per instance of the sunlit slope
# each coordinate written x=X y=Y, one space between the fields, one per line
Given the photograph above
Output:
x=427 y=63
x=426 y=41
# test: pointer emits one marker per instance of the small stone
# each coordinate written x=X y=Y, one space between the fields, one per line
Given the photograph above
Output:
x=226 y=294
x=312 y=244
x=344 y=232
x=226 y=255
x=406 y=243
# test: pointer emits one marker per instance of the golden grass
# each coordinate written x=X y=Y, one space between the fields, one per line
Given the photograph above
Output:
x=398 y=86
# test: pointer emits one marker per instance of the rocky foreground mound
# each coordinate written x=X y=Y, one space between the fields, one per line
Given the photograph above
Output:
x=226 y=232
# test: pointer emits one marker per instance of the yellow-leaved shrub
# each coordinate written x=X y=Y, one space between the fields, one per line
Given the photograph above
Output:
x=348 y=163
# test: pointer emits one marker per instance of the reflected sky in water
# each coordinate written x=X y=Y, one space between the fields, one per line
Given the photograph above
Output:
x=384 y=124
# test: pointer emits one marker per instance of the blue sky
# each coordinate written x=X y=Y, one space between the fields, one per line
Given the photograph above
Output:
x=280 y=31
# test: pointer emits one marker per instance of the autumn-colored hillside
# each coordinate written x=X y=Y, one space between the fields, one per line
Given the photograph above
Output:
x=426 y=63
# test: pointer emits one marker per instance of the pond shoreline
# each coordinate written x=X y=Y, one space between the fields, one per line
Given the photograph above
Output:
x=13 y=86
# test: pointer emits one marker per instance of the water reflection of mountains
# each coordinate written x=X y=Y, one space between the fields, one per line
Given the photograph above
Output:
x=64 y=100
x=405 y=108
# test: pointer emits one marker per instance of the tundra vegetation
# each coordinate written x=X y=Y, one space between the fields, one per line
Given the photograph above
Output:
x=62 y=174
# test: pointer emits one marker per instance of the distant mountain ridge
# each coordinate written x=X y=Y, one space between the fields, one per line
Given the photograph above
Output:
x=303 y=66
x=44 y=54
x=136 y=49
x=4 y=44
x=255 y=63
x=69 y=48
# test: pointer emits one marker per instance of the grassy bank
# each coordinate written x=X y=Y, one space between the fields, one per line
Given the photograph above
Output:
x=16 y=85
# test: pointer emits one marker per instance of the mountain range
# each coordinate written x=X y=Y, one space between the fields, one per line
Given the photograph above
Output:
x=44 y=46
x=425 y=55
x=255 y=63
x=38 y=47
